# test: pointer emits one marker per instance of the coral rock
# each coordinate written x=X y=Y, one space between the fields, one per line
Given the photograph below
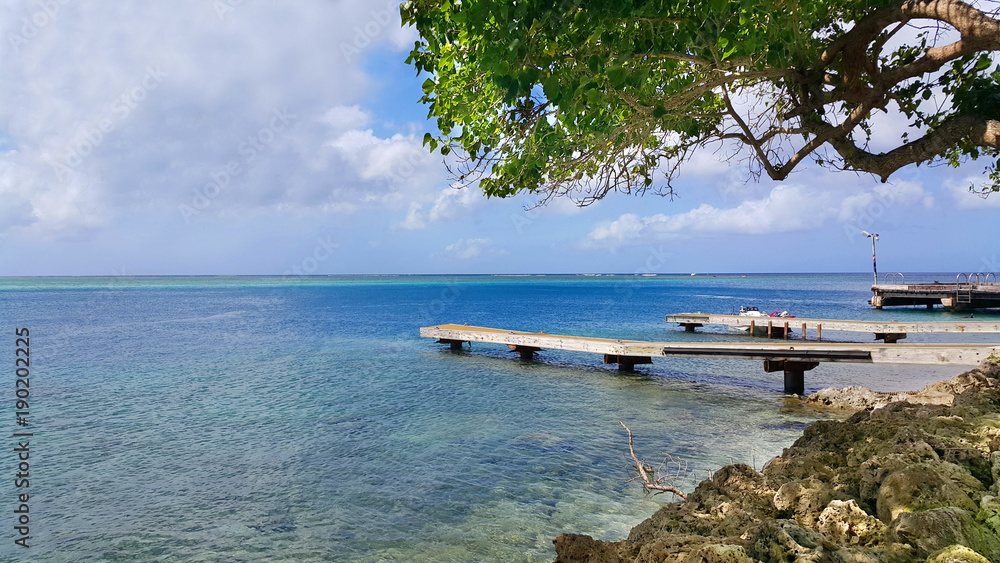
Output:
x=844 y=522
x=957 y=554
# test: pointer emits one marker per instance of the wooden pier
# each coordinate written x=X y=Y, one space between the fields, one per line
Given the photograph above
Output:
x=888 y=332
x=966 y=296
x=794 y=359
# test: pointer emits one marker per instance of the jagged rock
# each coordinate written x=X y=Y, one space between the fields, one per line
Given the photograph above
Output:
x=785 y=540
x=930 y=472
x=852 y=398
x=576 y=548
x=932 y=530
x=873 y=471
x=803 y=500
x=919 y=487
x=989 y=513
x=957 y=554
x=844 y=522
x=941 y=393
x=738 y=481
x=687 y=548
x=720 y=553
x=995 y=470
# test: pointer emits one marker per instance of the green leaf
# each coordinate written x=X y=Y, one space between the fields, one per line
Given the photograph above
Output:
x=617 y=77
x=594 y=96
x=594 y=65
x=534 y=79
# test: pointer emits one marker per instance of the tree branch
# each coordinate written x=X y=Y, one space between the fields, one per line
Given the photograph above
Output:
x=748 y=134
x=982 y=132
x=647 y=482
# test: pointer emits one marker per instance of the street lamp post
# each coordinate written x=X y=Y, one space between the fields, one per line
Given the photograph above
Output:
x=874 y=238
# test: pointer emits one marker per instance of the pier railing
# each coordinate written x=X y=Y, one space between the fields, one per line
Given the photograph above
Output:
x=897 y=278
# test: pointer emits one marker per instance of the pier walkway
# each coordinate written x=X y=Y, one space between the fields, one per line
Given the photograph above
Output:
x=888 y=332
x=794 y=359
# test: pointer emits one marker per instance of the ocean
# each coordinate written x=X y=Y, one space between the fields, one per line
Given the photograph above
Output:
x=303 y=418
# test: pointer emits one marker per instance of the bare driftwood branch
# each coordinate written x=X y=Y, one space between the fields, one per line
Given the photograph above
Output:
x=647 y=482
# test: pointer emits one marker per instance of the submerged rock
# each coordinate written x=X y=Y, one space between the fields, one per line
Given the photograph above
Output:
x=910 y=481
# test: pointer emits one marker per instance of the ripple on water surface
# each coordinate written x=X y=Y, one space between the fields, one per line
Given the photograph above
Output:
x=248 y=419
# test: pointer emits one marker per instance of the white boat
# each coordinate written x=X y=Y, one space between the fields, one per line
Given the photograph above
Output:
x=760 y=328
x=750 y=312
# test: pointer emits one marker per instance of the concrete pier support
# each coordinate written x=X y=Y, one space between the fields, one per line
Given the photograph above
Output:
x=455 y=344
x=890 y=337
x=795 y=381
x=626 y=363
x=526 y=352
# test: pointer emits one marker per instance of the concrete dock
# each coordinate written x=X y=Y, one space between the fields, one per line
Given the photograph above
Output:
x=964 y=295
x=888 y=332
x=794 y=359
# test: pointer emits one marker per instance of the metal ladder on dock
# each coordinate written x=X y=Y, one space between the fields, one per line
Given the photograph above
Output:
x=963 y=291
x=963 y=295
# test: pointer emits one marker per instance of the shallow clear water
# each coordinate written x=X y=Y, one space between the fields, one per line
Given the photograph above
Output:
x=251 y=419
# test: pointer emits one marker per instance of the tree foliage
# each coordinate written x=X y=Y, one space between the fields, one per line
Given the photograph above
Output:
x=586 y=97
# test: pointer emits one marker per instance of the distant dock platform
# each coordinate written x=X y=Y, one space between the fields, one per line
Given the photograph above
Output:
x=794 y=359
x=968 y=296
x=888 y=332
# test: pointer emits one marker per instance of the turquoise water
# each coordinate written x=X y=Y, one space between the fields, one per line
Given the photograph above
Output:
x=292 y=418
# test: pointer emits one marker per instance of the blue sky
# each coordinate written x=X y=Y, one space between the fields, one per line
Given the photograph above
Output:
x=275 y=137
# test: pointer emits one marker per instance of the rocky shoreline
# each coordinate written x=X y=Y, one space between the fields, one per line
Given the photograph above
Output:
x=908 y=477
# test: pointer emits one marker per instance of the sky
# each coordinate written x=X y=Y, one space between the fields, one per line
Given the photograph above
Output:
x=216 y=137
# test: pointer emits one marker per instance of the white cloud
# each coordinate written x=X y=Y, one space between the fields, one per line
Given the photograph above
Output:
x=467 y=249
x=345 y=118
x=966 y=199
x=449 y=204
x=874 y=203
x=563 y=206
x=787 y=208
x=111 y=109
